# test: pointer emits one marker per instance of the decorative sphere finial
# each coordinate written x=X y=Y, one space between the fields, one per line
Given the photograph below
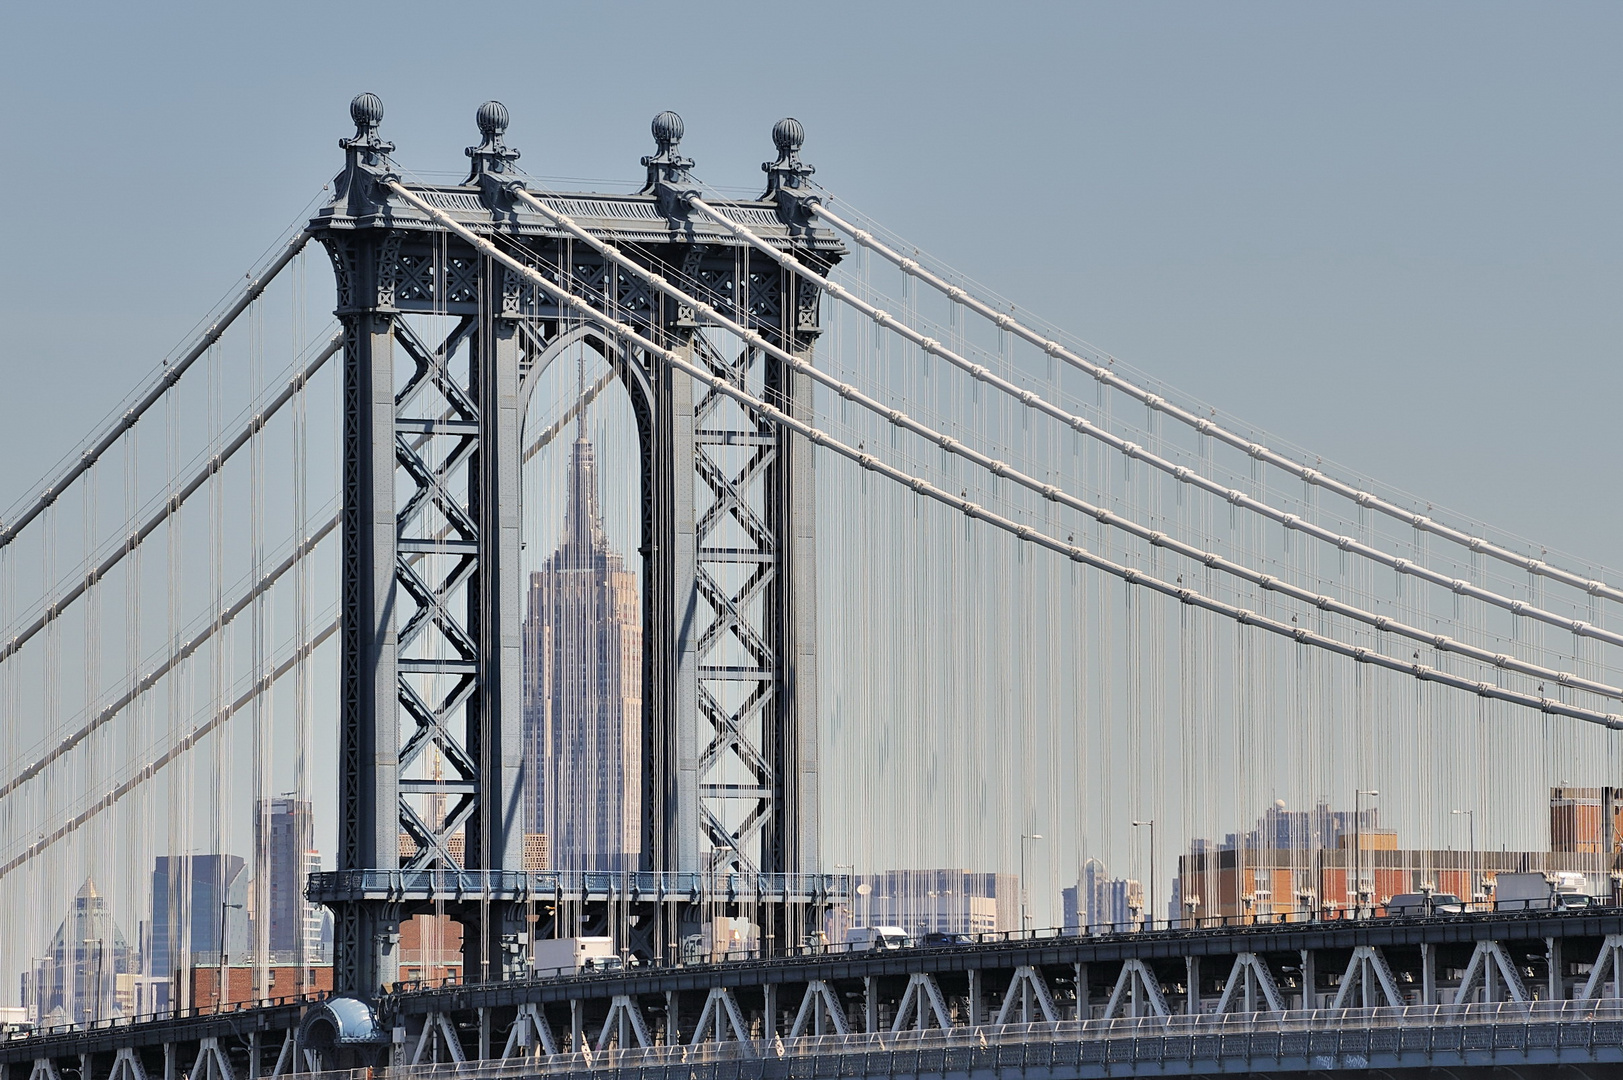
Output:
x=367 y=111
x=667 y=128
x=492 y=118
x=788 y=135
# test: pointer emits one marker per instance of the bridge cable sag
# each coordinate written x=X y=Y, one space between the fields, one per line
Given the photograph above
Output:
x=1026 y=533
x=171 y=375
x=1205 y=426
x=900 y=419
x=1238 y=498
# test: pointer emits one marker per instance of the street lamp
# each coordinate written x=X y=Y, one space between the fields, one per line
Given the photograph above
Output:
x=1025 y=920
x=220 y=986
x=1358 y=852
x=1151 y=824
x=1470 y=818
x=850 y=899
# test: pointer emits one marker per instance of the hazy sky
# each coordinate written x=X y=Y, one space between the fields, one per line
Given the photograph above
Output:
x=1387 y=232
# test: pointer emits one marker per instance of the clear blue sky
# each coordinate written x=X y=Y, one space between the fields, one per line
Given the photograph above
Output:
x=1387 y=232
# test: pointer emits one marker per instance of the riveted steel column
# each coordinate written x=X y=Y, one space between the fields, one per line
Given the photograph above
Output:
x=369 y=732
x=797 y=528
x=495 y=717
x=670 y=653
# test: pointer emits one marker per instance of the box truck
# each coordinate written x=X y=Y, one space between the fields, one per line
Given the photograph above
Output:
x=569 y=956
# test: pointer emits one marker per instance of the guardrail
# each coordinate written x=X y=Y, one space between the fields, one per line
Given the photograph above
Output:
x=1507 y=1026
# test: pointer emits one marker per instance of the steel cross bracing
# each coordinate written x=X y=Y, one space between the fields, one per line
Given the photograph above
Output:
x=443 y=346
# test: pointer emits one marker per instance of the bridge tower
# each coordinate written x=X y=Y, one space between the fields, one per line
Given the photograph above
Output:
x=442 y=349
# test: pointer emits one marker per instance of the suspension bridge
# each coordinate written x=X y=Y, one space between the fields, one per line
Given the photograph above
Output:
x=712 y=585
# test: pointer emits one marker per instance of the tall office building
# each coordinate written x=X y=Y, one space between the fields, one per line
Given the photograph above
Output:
x=295 y=924
x=1099 y=903
x=88 y=963
x=583 y=691
x=199 y=904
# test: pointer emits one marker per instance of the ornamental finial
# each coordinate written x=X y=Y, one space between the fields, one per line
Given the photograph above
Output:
x=786 y=178
x=667 y=165
x=788 y=171
x=491 y=157
x=367 y=112
x=367 y=168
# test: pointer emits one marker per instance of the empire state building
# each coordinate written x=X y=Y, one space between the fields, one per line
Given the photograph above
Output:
x=583 y=691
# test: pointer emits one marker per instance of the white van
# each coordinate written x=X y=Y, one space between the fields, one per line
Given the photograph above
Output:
x=861 y=938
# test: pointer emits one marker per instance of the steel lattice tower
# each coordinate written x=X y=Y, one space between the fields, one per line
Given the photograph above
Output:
x=431 y=589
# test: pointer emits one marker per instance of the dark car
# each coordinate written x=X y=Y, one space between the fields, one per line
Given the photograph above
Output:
x=1424 y=904
x=943 y=941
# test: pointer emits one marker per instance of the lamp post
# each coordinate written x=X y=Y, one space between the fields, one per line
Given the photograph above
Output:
x=1025 y=920
x=1151 y=905
x=1470 y=818
x=1358 y=853
x=850 y=899
x=220 y=986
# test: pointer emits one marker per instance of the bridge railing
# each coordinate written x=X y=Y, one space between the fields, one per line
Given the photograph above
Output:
x=219 y=1008
x=1321 y=1021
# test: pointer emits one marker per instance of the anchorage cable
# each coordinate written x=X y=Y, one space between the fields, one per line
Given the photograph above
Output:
x=902 y=420
x=1185 y=475
x=720 y=384
x=171 y=375
x=1005 y=321
x=171 y=504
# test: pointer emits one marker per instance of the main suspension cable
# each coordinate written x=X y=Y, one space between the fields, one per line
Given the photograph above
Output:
x=1238 y=498
x=173 y=503
x=1026 y=533
x=215 y=625
x=1205 y=426
x=1051 y=492
x=171 y=375
x=191 y=739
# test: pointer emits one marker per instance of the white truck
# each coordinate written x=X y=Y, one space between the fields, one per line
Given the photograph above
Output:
x=864 y=938
x=570 y=956
x=1536 y=892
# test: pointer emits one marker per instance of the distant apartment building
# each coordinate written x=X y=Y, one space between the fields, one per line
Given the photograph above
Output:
x=430 y=949
x=1586 y=820
x=936 y=901
x=206 y=987
x=583 y=694
x=1260 y=874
